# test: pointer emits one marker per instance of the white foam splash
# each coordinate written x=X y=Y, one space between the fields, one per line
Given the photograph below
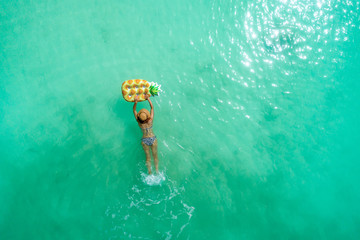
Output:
x=153 y=179
x=163 y=204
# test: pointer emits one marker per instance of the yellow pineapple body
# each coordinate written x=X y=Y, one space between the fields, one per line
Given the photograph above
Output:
x=135 y=87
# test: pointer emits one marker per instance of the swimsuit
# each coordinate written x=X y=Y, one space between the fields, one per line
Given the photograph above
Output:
x=149 y=140
x=146 y=129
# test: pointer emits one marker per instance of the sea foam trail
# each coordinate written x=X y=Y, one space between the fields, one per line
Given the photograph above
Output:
x=152 y=179
x=163 y=204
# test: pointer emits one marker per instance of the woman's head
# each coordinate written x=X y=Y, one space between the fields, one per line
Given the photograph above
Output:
x=143 y=115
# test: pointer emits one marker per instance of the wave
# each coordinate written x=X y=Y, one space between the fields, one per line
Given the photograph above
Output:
x=157 y=201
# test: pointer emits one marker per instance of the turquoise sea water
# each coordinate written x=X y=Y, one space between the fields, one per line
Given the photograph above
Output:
x=258 y=124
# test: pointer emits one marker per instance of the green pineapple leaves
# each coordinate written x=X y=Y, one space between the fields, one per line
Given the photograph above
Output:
x=154 y=89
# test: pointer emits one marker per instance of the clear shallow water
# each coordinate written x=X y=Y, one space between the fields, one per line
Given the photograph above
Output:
x=257 y=126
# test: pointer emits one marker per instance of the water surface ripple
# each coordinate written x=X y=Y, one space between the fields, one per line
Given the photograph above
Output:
x=257 y=125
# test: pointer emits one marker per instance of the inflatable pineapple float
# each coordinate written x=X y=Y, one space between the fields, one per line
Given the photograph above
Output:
x=140 y=88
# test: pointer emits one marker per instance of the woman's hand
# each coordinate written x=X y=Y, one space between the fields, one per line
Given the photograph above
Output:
x=136 y=98
x=147 y=96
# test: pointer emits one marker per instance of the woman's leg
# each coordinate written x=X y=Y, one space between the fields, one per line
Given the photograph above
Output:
x=155 y=155
x=148 y=156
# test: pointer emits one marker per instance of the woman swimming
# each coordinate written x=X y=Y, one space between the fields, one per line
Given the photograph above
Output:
x=145 y=121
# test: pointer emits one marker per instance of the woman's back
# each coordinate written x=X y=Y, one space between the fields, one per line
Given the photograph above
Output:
x=146 y=128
